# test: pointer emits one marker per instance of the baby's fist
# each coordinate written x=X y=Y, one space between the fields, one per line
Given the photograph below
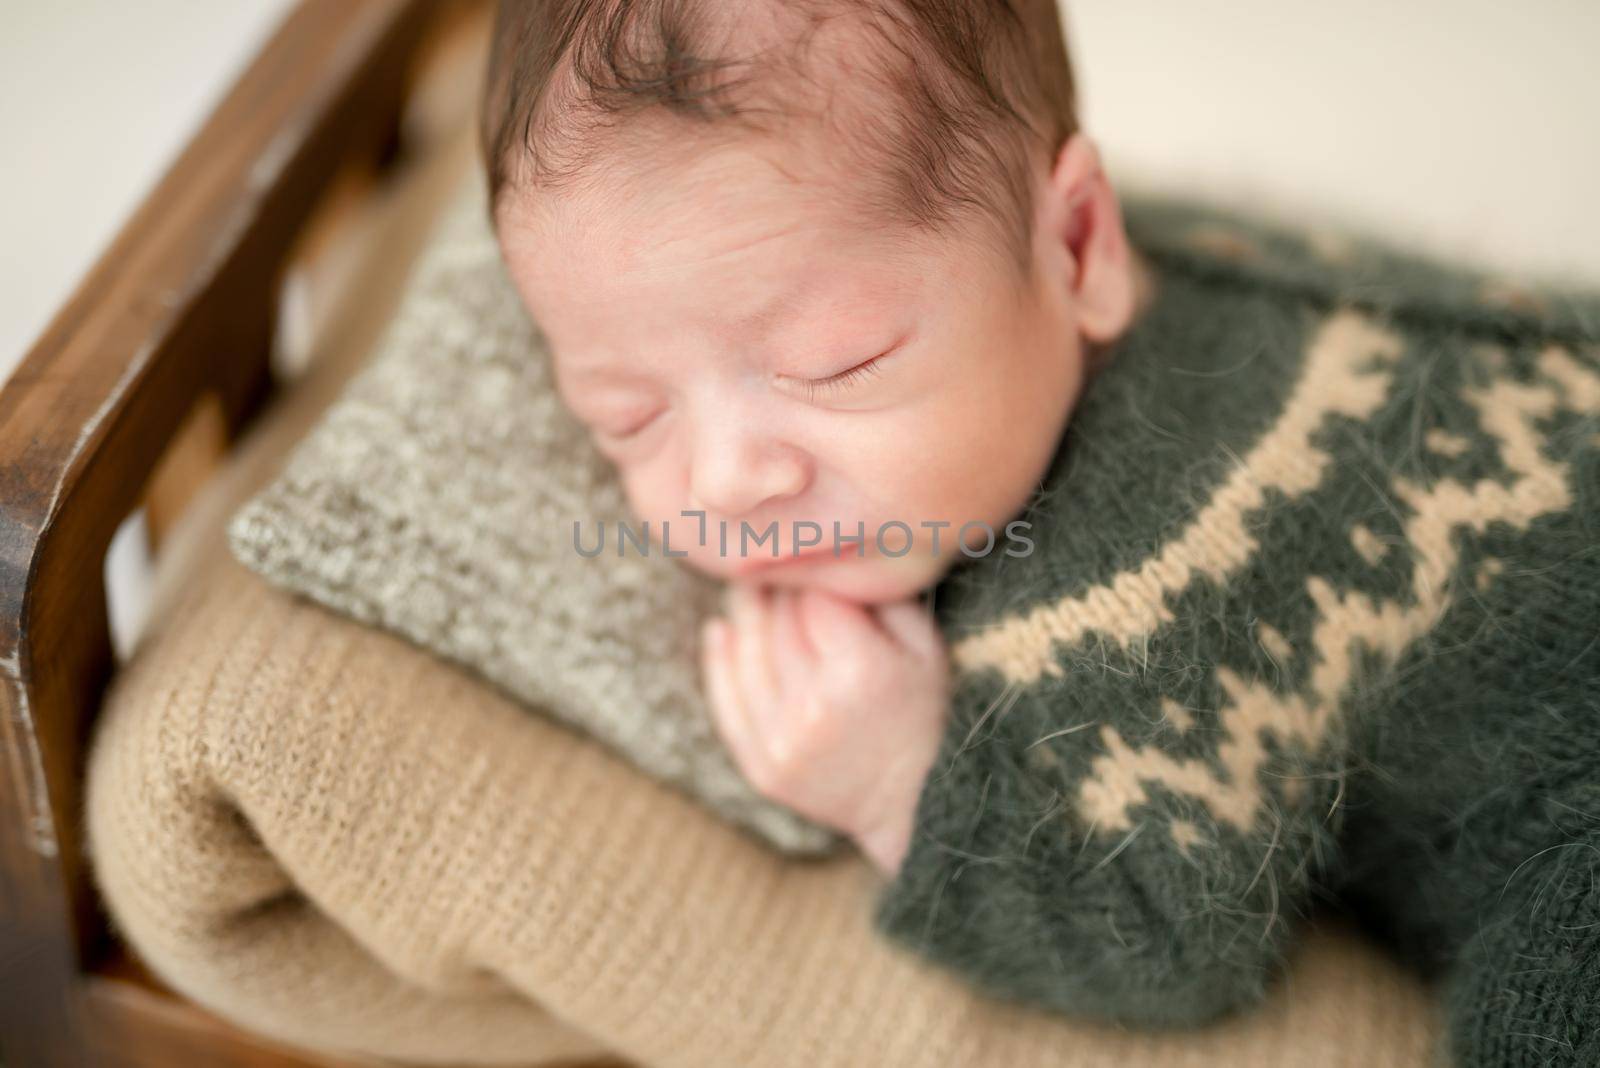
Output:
x=831 y=708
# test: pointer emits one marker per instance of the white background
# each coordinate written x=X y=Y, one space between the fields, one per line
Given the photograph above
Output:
x=97 y=97
x=1467 y=127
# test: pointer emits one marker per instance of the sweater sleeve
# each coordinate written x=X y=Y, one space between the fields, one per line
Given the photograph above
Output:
x=1473 y=831
x=1048 y=865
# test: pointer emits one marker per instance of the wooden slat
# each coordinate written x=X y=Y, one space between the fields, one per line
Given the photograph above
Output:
x=183 y=303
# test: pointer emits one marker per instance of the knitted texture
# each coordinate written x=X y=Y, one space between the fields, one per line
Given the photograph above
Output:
x=437 y=499
x=1313 y=608
x=336 y=839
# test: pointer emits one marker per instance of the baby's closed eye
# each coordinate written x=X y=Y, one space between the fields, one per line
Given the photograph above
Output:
x=841 y=384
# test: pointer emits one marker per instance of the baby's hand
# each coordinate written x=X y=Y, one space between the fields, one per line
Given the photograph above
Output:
x=830 y=708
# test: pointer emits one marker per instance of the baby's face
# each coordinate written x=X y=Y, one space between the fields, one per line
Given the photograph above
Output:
x=739 y=344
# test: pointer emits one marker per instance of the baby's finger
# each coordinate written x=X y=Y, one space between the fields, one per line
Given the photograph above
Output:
x=752 y=620
x=792 y=653
x=838 y=629
x=758 y=675
x=728 y=713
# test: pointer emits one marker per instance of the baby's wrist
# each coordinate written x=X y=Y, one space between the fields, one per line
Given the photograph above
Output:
x=887 y=842
x=884 y=835
x=888 y=820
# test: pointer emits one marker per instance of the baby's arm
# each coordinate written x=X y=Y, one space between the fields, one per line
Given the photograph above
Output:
x=830 y=708
x=1019 y=878
x=843 y=713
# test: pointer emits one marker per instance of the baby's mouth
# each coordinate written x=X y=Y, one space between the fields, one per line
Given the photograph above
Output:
x=746 y=566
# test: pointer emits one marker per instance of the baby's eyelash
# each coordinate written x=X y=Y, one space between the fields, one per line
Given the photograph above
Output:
x=816 y=388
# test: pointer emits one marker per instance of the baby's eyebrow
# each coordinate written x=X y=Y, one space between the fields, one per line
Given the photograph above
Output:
x=816 y=303
x=782 y=309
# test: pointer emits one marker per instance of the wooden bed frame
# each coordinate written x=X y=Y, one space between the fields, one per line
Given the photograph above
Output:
x=180 y=310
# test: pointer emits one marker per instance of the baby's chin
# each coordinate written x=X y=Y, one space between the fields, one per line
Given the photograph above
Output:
x=868 y=580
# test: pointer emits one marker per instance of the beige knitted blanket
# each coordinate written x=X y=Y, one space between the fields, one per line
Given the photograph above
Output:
x=333 y=838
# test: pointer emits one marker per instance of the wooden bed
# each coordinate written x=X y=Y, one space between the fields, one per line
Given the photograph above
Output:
x=159 y=360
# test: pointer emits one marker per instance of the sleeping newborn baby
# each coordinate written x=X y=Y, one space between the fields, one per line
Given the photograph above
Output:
x=1117 y=605
x=825 y=266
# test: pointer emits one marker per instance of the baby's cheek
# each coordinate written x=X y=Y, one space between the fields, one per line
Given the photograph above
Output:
x=655 y=490
x=913 y=465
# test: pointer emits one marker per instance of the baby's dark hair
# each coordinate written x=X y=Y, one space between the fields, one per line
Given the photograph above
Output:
x=976 y=87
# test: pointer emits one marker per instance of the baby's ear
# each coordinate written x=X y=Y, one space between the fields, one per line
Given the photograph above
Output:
x=1082 y=217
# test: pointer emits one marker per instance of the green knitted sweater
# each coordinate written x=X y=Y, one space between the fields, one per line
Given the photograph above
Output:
x=1313 y=615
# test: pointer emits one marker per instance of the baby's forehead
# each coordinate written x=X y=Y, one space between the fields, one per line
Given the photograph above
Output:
x=732 y=228
x=721 y=254
x=654 y=197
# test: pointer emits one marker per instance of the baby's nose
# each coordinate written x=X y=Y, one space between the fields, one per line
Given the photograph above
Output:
x=733 y=477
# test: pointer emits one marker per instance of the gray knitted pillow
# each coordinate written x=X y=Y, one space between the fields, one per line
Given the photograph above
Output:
x=437 y=498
